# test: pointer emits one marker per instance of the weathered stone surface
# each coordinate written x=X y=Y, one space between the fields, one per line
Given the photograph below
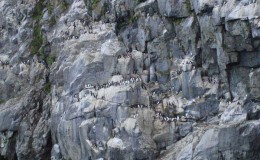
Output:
x=129 y=79
x=254 y=76
x=222 y=142
x=172 y=8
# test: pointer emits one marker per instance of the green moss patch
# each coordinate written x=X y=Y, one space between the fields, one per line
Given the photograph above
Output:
x=95 y=2
x=64 y=5
x=37 y=39
x=47 y=88
x=2 y=101
x=38 y=11
x=50 y=59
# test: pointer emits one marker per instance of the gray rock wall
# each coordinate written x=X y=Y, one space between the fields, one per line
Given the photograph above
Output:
x=129 y=79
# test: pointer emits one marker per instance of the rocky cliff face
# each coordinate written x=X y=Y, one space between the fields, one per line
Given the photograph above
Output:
x=129 y=79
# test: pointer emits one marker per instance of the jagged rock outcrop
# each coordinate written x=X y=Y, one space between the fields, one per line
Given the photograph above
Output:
x=129 y=79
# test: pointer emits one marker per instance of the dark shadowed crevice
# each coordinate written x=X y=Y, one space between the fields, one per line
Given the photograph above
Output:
x=48 y=147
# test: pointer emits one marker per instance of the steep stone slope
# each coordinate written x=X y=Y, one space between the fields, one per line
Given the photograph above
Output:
x=129 y=79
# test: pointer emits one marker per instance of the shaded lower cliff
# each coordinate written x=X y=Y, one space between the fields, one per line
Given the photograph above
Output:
x=129 y=79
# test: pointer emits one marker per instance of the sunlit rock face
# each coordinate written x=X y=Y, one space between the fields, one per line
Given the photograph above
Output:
x=129 y=79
